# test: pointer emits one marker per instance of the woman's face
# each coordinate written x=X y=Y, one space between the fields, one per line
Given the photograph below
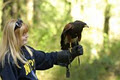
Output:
x=24 y=38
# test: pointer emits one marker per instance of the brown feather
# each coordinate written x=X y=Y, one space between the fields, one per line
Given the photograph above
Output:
x=72 y=34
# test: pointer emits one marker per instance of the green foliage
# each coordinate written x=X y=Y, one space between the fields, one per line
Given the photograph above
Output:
x=100 y=69
x=48 y=22
x=48 y=26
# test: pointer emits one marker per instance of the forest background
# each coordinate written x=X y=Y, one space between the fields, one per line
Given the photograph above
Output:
x=46 y=20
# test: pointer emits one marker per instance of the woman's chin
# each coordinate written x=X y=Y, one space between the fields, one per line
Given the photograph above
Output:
x=24 y=43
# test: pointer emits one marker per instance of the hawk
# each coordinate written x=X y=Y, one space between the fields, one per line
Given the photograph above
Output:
x=71 y=35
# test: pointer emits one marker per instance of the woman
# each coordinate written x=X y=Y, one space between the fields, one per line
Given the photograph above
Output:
x=20 y=62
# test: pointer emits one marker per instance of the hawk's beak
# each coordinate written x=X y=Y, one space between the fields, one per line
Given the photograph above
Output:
x=86 y=26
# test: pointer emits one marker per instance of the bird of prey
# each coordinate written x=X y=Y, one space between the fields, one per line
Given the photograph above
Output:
x=71 y=34
x=71 y=37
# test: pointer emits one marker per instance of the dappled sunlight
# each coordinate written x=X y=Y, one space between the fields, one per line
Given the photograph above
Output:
x=48 y=17
x=94 y=54
x=94 y=17
x=53 y=2
x=114 y=28
x=30 y=11
x=112 y=77
x=75 y=12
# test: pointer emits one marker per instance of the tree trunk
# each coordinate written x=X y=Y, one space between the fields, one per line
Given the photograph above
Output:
x=13 y=9
x=106 y=26
x=30 y=11
x=9 y=11
x=6 y=11
x=37 y=11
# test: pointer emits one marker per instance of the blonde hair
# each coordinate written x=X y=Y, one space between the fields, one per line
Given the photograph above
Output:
x=11 y=42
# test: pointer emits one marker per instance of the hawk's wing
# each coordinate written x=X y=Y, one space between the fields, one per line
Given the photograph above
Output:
x=65 y=37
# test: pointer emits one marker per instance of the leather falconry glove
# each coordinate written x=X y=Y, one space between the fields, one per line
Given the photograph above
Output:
x=65 y=57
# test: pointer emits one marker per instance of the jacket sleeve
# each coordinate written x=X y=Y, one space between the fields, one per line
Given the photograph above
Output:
x=44 y=60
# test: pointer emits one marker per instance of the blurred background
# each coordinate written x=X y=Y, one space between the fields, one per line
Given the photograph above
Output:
x=46 y=20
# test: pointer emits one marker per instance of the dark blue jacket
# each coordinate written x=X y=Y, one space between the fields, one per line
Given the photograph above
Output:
x=39 y=61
